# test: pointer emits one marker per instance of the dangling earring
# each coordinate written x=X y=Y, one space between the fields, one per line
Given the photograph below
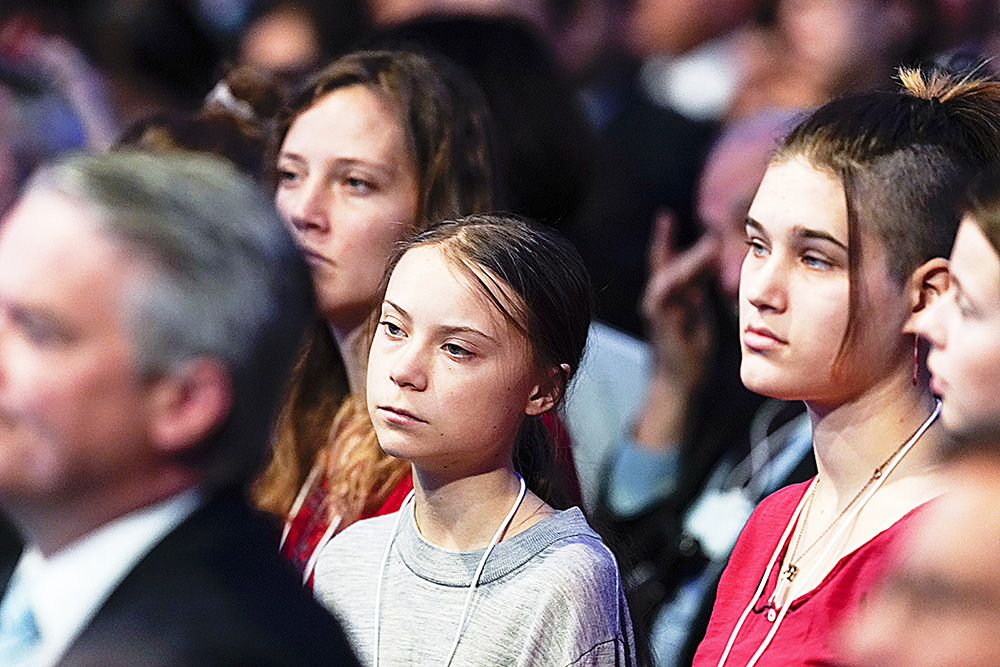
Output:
x=916 y=357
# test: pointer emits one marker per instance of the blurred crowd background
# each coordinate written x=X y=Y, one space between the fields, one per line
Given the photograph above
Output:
x=632 y=126
x=605 y=108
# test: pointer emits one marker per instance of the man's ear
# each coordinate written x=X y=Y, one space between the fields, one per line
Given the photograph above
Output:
x=927 y=283
x=547 y=393
x=189 y=402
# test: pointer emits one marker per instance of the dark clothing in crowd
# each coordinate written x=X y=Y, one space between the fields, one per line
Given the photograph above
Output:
x=214 y=591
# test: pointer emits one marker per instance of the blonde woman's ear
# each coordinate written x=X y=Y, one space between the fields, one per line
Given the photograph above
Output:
x=927 y=283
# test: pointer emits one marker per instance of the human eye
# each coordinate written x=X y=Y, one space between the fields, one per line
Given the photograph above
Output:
x=359 y=185
x=456 y=350
x=756 y=247
x=814 y=261
x=40 y=330
x=287 y=175
x=391 y=329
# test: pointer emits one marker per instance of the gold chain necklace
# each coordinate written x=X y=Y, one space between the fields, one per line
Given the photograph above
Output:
x=791 y=570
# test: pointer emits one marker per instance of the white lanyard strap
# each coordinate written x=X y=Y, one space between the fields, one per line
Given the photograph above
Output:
x=767 y=573
x=475 y=578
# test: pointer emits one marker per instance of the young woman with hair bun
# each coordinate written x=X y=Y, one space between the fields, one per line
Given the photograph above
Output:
x=848 y=237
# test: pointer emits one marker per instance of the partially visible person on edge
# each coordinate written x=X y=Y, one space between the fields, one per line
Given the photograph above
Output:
x=380 y=145
x=482 y=325
x=962 y=328
x=703 y=450
x=848 y=235
x=151 y=308
x=940 y=606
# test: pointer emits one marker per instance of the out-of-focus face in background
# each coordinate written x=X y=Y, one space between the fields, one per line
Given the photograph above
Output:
x=348 y=187
x=282 y=42
x=940 y=607
x=74 y=407
x=676 y=26
x=842 y=41
x=732 y=173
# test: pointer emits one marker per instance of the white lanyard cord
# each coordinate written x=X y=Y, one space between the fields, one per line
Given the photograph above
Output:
x=328 y=534
x=300 y=499
x=888 y=468
x=381 y=570
x=767 y=574
x=475 y=578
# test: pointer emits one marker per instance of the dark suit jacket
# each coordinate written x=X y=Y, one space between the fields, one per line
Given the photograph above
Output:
x=213 y=592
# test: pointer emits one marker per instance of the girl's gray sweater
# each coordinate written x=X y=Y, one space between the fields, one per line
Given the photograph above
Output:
x=550 y=596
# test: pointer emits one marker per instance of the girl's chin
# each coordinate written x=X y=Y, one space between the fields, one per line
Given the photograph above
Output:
x=393 y=445
x=771 y=380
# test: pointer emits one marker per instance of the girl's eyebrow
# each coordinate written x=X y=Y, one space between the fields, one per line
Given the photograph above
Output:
x=401 y=311
x=446 y=329
x=801 y=232
x=292 y=157
x=756 y=226
x=454 y=329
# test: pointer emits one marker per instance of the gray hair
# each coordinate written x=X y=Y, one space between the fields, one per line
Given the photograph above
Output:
x=228 y=281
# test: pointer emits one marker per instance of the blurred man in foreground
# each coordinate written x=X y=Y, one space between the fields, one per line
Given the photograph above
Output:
x=150 y=308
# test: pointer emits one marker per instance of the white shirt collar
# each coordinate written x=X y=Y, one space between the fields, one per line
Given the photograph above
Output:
x=67 y=589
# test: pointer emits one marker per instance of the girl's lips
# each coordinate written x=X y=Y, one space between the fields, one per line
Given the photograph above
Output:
x=761 y=338
x=400 y=415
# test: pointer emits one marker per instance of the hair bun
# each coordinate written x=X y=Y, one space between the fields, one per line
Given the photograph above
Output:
x=247 y=94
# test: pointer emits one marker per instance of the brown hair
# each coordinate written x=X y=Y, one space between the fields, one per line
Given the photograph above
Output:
x=984 y=206
x=904 y=158
x=551 y=305
x=448 y=130
x=234 y=122
x=443 y=113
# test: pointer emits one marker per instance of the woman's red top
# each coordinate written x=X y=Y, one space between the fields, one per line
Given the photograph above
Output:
x=808 y=635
